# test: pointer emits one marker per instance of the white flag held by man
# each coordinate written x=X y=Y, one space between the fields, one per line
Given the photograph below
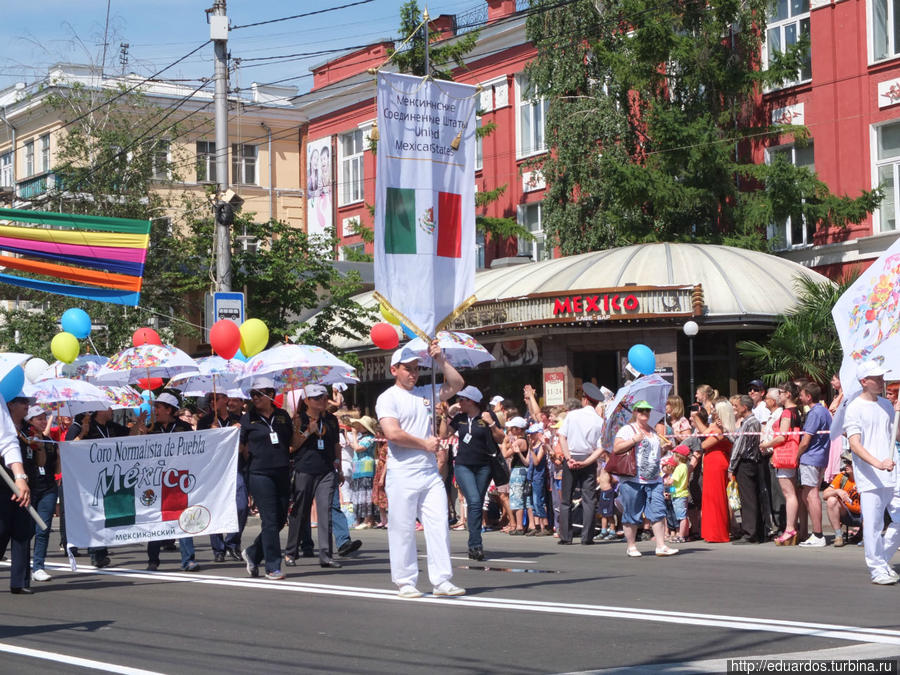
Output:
x=425 y=196
x=132 y=489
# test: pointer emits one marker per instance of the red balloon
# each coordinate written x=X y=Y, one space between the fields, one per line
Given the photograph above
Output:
x=145 y=336
x=150 y=383
x=225 y=338
x=279 y=398
x=384 y=336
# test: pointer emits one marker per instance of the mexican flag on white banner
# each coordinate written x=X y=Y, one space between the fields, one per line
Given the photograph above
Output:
x=425 y=197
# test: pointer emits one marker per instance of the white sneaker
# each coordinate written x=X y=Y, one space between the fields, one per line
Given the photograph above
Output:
x=893 y=574
x=410 y=591
x=813 y=542
x=665 y=551
x=446 y=589
x=633 y=553
x=41 y=575
x=884 y=580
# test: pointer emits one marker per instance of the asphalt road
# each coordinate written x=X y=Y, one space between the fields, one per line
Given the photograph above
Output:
x=532 y=607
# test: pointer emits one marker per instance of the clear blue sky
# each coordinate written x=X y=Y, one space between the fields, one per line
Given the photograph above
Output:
x=34 y=35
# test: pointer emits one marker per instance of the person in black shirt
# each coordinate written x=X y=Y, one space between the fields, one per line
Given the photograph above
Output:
x=42 y=465
x=219 y=417
x=15 y=522
x=317 y=465
x=92 y=426
x=479 y=432
x=166 y=407
x=267 y=437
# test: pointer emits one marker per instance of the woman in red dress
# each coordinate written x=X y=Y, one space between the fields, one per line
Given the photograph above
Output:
x=715 y=521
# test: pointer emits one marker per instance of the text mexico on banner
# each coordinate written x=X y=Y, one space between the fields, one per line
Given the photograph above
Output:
x=425 y=196
x=133 y=489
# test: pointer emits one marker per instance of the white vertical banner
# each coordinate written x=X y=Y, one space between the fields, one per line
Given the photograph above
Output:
x=131 y=489
x=319 y=186
x=425 y=196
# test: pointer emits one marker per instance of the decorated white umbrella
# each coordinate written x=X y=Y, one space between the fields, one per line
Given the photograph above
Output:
x=145 y=361
x=293 y=366
x=9 y=360
x=460 y=349
x=215 y=375
x=121 y=398
x=82 y=368
x=67 y=397
x=653 y=388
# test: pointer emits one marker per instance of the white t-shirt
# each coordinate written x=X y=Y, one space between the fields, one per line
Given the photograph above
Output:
x=413 y=409
x=582 y=429
x=10 y=451
x=872 y=421
x=646 y=455
x=761 y=412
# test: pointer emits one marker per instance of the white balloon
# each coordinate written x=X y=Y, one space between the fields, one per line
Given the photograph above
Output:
x=35 y=368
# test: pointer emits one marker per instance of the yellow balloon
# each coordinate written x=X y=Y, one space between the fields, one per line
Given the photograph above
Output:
x=65 y=347
x=388 y=316
x=254 y=337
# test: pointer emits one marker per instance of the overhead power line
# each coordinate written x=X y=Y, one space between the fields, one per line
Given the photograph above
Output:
x=299 y=16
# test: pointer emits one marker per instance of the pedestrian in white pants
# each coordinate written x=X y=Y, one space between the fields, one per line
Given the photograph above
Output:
x=868 y=424
x=413 y=483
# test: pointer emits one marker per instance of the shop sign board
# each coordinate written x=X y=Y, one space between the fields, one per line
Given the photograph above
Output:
x=554 y=388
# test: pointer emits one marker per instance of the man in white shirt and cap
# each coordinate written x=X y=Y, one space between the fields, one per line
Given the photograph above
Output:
x=413 y=483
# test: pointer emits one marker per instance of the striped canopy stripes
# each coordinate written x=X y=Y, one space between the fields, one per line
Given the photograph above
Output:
x=87 y=257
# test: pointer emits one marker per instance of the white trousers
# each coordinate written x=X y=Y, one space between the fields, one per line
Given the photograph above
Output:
x=879 y=549
x=422 y=495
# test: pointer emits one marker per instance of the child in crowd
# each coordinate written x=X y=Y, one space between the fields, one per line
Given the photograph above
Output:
x=606 y=502
x=668 y=469
x=680 y=476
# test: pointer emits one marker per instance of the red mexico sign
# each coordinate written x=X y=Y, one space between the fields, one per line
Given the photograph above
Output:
x=606 y=303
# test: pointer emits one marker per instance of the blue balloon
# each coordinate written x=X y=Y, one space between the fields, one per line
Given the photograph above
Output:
x=408 y=332
x=240 y=356
x=11 y=384
x=77 y=322
x=642 y=359
x=144 y=408
x=146 y=394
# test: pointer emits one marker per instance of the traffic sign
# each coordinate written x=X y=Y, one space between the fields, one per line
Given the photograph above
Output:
x=224 y=305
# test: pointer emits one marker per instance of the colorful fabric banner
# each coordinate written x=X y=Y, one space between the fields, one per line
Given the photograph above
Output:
x=425 y=196
x=106 y=254
x=133 y=489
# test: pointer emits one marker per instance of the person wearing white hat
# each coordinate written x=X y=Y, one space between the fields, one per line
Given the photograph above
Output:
x=413 y=484
x=868 y=424
x=15 y=523
x=42 y=466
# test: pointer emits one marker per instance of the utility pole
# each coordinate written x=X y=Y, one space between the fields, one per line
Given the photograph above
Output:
x=218 y=33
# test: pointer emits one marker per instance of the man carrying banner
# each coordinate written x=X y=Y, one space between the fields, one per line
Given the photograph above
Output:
x=15 y=523
x=414 y=486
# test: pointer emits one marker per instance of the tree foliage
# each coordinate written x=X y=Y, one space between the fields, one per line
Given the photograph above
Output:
x=805 y=344
x=653 y=117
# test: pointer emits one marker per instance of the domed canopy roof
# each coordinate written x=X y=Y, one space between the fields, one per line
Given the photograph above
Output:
x=738 y=284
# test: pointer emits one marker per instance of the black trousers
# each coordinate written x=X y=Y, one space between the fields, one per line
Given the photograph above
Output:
x=17 y=527
x=586 y=478
x=307 y=487
x=751 y=484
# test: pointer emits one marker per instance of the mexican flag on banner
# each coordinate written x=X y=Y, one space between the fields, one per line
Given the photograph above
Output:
x=425 y=196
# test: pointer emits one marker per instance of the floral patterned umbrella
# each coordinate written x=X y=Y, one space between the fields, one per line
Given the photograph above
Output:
x=215 y=374
x=293 y=366
x=145 y=361
x=9 y=360
x=65 y=396
x=121 y=397
x=82 y=368
x=460 y=349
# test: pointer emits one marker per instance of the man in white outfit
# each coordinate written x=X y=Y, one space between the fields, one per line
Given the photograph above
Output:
x=413 y=483
x=868 y=424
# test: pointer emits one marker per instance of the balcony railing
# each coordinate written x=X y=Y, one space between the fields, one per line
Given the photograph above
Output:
x=35 y=186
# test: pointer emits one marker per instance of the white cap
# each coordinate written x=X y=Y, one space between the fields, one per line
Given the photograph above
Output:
x=497 y=399
x=168 y=399
x=535 y=428
x=518 y=422
x=237 y=393
x=403 y=355
x=313 y=390
x=34 y=411
x=870 y=368
x=263 y=382
x=470 y=393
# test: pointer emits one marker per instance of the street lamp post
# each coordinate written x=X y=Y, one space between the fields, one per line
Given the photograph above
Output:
x=690 y=329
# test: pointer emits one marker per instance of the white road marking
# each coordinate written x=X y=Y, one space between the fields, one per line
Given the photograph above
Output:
x=74 y=660
x=809 y=629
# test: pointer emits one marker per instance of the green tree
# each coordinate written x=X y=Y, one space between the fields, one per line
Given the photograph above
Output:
x=652 y=125
x=805 y=343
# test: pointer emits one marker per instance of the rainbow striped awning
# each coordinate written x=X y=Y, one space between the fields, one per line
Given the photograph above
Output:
x=100 y=258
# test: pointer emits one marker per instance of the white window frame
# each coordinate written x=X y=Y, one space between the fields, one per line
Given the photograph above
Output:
x=243 y=164
x=479 y=142
x=45 y=153
x=206 y=159
x=537 y=144
x=29 y=158
x=877 y=165
x=159 y=165
x=781 y=25
x=351 y=169
x=6 y=169
x=891 y=41
x=479 y=250
x=359 y=247
x=533 y=248
x=783 y=235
